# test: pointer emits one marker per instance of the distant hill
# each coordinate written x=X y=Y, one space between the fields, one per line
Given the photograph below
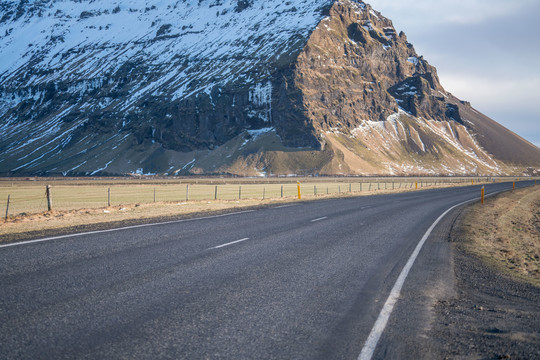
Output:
x=246 y=87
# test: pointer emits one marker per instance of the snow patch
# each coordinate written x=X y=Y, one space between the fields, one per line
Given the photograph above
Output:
x=413 y=60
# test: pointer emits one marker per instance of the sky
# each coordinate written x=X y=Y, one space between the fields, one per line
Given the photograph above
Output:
x=485 y=51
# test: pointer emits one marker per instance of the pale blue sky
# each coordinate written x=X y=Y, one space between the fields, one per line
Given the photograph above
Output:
x=485 y=51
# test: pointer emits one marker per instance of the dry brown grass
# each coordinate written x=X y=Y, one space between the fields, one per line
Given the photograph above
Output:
x=25 y=223
x=505 y=232
x=83 y=202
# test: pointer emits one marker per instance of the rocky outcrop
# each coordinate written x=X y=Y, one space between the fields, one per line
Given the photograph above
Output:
x=356 y=67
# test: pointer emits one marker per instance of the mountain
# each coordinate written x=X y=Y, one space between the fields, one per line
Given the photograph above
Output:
x=247 y=87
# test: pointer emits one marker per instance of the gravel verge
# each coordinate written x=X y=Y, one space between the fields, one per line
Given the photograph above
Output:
x=493 y=316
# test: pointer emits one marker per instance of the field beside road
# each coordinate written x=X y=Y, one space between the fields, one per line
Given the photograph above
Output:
x=505 y=233
x=84 y=202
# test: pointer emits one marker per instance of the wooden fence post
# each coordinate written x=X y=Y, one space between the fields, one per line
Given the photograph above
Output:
x=49 y=197
x=7 y=207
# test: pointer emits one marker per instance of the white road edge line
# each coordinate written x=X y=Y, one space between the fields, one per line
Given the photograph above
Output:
x=121 y=228
x=384 y=315
x=227 y=244
x=319 y=219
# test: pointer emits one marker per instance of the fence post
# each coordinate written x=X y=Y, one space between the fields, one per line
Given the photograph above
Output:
x=369 y=189
x=187 y=192
x=281 y=190
x=240 y=192
x=7 y=207
x=315 y=190
x=350 y=188
x=109 y=197
x=49 y=197
x=215 y=194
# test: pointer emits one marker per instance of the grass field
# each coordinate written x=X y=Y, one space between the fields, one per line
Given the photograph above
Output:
x=505 y=233
x=85 y=202
x=29 y=196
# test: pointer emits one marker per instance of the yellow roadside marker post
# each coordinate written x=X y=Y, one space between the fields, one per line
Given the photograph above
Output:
x=416 y=183
x=483 y=191
x=299 y=194
x=514 y=185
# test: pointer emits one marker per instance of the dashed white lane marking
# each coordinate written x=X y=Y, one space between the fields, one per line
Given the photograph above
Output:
x=319 y=219
x=284 y=206
x=122 y=228
x=227 y=244
x=384 y=315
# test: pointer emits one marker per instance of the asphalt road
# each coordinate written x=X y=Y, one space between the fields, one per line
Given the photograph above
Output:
x=305 y=281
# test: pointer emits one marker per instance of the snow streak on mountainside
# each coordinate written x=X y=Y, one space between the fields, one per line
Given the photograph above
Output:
x=229 y=86
x=186 y=74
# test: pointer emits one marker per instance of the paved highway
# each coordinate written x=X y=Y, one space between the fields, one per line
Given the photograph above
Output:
x=302 y=281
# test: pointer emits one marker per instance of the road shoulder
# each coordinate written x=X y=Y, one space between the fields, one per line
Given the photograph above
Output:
x=492 y=316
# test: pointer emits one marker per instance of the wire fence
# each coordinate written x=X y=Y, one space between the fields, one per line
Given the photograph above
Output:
x=24 y=197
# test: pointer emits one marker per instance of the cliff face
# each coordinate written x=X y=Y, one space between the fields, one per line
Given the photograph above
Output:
x=93 y=86
x=379 y=104
x=228 y=86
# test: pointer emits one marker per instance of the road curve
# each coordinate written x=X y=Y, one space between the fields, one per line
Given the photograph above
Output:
x=305 y=281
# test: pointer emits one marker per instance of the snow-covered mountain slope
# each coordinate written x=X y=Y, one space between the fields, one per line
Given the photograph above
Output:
x=211 y=86
x=140 y=70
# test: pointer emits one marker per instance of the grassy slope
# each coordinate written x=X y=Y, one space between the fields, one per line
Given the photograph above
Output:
x=505 y=233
